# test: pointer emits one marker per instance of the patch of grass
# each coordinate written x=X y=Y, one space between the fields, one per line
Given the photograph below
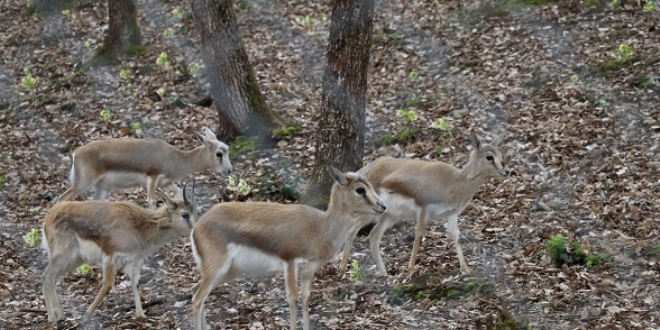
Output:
x=356 y=272
x=3 y=179
x=33 y=237
x=621 y=56
x=426 y=289
x=562 y=252
x=442 y=125
x=242 y=145
x=595 y=260
x=289 y=129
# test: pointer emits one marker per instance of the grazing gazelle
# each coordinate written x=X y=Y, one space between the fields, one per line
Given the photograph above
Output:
x=127 y=162
x=112 y=233
x=426 y=190
x=257 y=238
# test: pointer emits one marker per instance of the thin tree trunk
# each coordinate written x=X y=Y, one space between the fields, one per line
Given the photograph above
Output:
x=340 y=135
x=123 y=36
x=242 y=108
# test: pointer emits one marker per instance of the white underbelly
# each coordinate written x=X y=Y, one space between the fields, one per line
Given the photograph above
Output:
x=253 y=262
x=401 y=207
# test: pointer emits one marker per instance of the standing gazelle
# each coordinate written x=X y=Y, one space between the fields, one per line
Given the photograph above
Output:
x=127 y=162
x=427 y=190
x=113 y=233
x=256 y=238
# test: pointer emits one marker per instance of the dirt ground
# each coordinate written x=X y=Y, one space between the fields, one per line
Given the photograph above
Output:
x=573 y=85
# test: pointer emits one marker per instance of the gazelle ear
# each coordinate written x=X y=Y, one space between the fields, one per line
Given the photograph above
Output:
x=209 y=133
x=497 y=140
x=202 y=138
x=476 y=143
x=338 y=176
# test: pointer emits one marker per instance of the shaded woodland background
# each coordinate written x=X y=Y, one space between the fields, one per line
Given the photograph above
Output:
x=581 y=113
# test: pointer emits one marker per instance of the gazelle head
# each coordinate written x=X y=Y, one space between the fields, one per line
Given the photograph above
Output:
x=218 y=151
x=362 y=198
x=186 y=209
x=490 y=158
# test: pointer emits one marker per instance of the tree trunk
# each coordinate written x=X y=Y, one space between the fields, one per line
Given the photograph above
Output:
x=123 y=36
x=242 y=108
x=340 y=135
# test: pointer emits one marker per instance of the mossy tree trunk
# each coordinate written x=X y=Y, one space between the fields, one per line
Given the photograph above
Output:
x=340 y=134
x=242 y=108
x=123 y=36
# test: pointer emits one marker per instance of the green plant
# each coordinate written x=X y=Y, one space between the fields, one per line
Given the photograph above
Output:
x=68 y=13
x=356 y=272
x=615 y=3
x=168 y=33
x=649 y=7
x=622 y=55
x=306 y=21
x=126 y=74
x=136 y=127
x=242 y=145
x=177 y=13
x=409 y=115
x=28 y=82
x=33 y=237
x=442 y=125
x=84 y=270
x=563 y=252
x=238 y=185
x=596 y=259
x=284 y=132
x=413 y=75
x=89 y=43
x=163 y=61
x=3 y=179
x=575 y=78
x=106 y=113
x=194 y=69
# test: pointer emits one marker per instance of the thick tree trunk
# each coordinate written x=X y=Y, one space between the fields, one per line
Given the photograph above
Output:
x=340 y=135
x=123 y=36
x=242 y=108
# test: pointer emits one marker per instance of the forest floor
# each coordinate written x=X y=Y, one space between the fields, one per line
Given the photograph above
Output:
x=574 y=85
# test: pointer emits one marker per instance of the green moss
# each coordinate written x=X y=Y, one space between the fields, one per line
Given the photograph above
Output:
x=562 y=252
x=596 y=260
x=242 y=145
x=427 y=287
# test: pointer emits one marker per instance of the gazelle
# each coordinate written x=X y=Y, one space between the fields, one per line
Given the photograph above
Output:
x=427 y=190
x=125 y=163
x=112 y=233
x=256 y=238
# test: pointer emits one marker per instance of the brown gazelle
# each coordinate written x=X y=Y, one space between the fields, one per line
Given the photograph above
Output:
x=256 y=238
x=127 y=162
x=112 y=233
x=426 y=190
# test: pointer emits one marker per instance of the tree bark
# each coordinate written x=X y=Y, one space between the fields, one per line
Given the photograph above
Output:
x=340 y=135
x=123 y=36
x=242 y=108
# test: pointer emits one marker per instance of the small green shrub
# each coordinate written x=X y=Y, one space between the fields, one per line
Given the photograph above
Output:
x=33 y=237
x=242 y=145
x=85 y=270
x=3 y=179
x=164 y=61
x=28 y=82
x=238 y=185
x=596 y=260
x=106 y=113
x=284 y=132
x=562 y=252
x=621 y=56
x=356 y=272
x=409 y=115
x=649 y=7
x=413 y=75
x=442 y=125
x=136 y=127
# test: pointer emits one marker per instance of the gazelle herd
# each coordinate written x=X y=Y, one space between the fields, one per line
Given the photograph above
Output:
x=242 y=238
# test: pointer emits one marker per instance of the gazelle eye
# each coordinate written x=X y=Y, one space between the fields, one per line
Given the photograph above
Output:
x=490 y=158
x=186 y=216
x=218 y=154
x=361 y=191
